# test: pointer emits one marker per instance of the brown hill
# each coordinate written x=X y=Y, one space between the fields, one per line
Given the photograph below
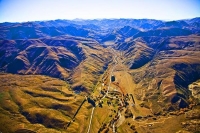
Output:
x=35 y=103
x=163 y=68
x=57 y=57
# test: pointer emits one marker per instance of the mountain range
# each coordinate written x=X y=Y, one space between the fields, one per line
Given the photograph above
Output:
x=161 y=59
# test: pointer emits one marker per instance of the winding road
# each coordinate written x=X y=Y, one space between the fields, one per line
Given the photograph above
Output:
x=115 y=62
x=91 y=119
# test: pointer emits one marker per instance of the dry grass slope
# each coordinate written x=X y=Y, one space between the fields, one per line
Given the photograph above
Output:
x=39 y=104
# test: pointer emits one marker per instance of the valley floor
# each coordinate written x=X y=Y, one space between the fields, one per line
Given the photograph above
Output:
x=119 y=110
